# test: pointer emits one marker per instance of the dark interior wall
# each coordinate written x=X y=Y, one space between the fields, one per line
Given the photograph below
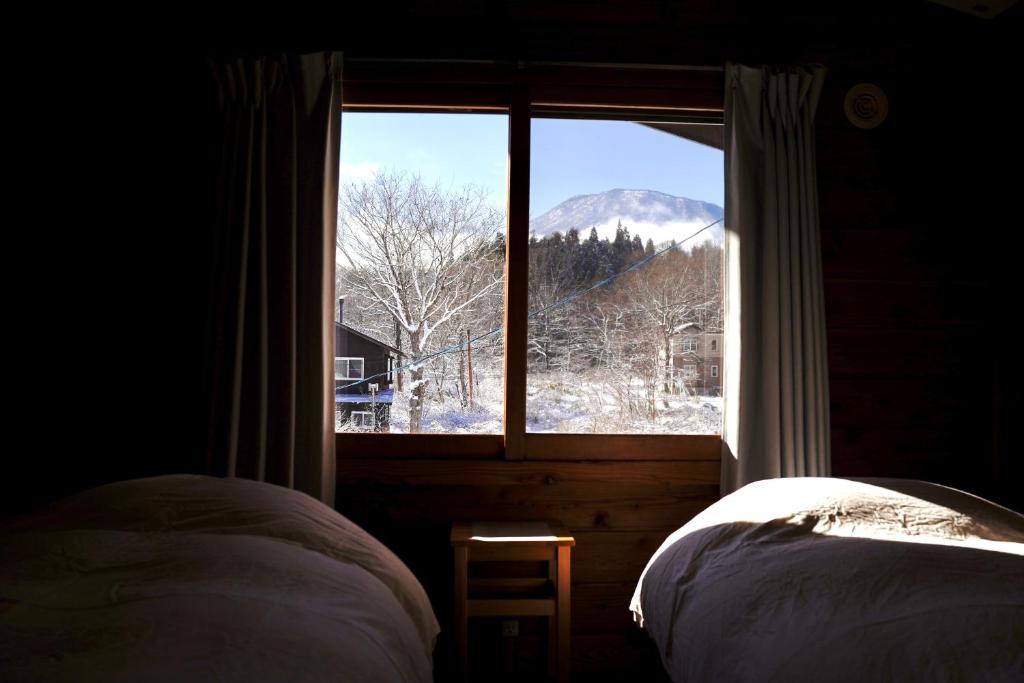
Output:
x=919 y=256
x=109 y=263
x=919 y=241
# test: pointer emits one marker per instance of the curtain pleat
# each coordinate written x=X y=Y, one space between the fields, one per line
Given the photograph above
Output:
x=776 y=421
x=270 y=350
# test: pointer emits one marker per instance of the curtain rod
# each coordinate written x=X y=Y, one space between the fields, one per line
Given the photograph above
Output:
x=527 y=63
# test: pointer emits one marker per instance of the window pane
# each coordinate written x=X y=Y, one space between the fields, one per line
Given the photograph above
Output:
x=420 y=278
x=624 y=285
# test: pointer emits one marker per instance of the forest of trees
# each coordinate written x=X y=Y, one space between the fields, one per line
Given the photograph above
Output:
x=422 y=268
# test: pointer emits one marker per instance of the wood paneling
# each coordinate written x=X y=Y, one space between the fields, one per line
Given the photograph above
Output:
x=355 y=445
x=618 y=511
x=623 y=447
x=580 y=507
x=609 y=557
x=603 y=608
x=615 y=658
x=656 y=476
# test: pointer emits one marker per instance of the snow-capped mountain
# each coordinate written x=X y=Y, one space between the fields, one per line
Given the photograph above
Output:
x=650 y=214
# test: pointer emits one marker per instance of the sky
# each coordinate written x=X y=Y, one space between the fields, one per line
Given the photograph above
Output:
x=568 y=156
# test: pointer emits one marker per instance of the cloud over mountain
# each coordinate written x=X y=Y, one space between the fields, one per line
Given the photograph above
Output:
x=650 y=214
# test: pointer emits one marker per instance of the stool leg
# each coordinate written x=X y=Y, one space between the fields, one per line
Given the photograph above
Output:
x=564 y=662
x=461 y=612
x=552 y=623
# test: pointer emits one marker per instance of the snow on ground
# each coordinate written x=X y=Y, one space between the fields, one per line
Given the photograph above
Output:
x=563 y=402
x=577 y=404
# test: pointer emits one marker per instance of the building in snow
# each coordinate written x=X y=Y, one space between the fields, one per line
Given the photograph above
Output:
x=364 y=375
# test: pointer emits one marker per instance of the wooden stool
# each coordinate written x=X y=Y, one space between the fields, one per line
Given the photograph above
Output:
x=514 y=597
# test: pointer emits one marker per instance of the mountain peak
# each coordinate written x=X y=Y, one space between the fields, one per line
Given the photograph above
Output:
x=649 y=213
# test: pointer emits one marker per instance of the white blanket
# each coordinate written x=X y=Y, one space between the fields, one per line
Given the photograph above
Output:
x=196 y=578
x=815 y=579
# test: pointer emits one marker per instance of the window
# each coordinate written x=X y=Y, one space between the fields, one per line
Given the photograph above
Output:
x=361 y=419
x=348 y=368
x=531 y=335
x=421 y=261
x=689 y=371
x=714 y=371
x=714 y=347
x=622 y=252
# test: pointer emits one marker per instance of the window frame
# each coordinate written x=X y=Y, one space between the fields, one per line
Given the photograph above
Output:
x=362 y=367
x=365 y=414
x=522 y=90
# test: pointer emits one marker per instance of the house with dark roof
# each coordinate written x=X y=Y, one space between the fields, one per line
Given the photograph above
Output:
x=364 y=375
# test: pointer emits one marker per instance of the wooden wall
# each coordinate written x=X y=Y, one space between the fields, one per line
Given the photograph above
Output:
x=917 y=250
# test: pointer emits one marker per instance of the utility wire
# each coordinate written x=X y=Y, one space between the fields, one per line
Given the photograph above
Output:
x=561 y=302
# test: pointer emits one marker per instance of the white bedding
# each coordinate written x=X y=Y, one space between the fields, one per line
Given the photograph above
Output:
x=815 y=579
x=196 y=578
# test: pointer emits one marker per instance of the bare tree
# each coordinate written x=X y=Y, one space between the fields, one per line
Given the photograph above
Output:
x=421 y=254
x=667 y=293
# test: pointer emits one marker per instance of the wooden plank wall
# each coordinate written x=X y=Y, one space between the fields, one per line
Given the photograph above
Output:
x=911 y=214
x=619 y=512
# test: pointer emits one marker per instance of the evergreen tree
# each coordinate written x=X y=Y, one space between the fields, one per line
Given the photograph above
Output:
x=637 y=248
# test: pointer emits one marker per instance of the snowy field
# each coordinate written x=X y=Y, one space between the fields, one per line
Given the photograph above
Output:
x=585 y=404
x=556 y=402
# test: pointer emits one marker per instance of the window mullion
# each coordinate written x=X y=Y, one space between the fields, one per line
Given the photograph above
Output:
x=516 y=267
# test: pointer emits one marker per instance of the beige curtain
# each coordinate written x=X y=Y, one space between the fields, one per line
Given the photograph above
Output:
x=776 y=421
x=270 y=352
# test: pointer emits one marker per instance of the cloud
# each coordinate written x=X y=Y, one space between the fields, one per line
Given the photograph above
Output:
x=661 y=233
x=363 y=170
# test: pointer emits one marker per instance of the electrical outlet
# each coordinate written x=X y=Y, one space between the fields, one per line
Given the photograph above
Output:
x=510 y=628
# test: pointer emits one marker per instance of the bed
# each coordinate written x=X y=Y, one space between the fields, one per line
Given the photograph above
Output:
x=821 y=579
x=196 y=578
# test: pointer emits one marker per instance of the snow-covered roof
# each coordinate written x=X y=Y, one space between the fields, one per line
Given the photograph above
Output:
x=385 y=396
x=695 y=328
x=687 y=327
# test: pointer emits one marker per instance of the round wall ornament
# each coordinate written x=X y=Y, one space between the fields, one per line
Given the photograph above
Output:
x=866 y=105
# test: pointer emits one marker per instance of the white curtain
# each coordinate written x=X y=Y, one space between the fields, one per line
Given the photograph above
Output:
x=776 y=421
x=271 y=344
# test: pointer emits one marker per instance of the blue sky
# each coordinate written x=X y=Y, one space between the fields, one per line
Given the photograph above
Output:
x=568 y=157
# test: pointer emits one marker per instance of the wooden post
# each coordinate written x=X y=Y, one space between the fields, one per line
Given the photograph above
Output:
x=564 y=661
x=517 y=257
x=462 y=611
x=553 y=631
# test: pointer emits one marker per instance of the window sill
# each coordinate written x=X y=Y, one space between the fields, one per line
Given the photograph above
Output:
x=368 y=445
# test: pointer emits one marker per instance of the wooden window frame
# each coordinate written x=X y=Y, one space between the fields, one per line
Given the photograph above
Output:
x=522 y=90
